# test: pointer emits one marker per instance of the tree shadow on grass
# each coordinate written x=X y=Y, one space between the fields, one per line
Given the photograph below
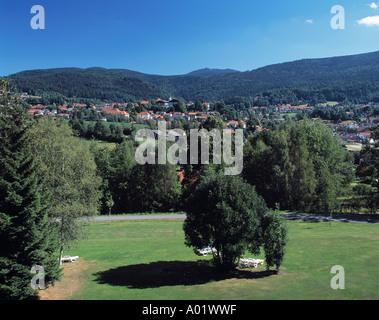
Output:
x=172 y=273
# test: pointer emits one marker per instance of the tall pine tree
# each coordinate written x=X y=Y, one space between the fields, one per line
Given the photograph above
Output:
x=26 y=235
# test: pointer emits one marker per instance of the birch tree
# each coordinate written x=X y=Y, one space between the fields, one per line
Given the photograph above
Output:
x=70 y=174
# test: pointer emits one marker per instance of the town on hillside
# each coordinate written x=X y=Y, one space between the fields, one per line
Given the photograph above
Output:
x=351 y=122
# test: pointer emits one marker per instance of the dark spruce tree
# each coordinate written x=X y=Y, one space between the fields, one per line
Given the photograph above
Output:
x=26 y=235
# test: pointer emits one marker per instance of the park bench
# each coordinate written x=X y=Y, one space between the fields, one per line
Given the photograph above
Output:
x=69 y=259
x=250 y=262
x=205 y=251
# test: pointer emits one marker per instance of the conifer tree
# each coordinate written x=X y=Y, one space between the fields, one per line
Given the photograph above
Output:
x=26 y=235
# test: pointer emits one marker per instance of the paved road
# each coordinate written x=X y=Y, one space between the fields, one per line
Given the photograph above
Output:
x=287 y=216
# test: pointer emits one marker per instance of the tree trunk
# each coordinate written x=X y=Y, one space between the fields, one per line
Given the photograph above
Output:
x=62 y=244
x=61 y=254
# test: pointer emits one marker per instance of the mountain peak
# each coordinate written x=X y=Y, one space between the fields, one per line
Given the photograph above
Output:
x=208 y=72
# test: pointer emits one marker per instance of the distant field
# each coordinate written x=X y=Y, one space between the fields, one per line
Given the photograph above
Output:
x=332 y=103
x=289 y=114
x=354 y=147
x=104 y=144
x=147 y=260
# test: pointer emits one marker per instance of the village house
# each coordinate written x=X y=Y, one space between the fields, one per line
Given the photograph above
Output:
x=111 y=111
x=201 y=118
x=192 y=115
x=144 y=115
x=350 y=125
x=206 y=105
x=365 y=136
x=178 y=115
x=62 y=108
x=234 y=124
x=161 y=102
x=172 y=102
x=258 y=129
x=35 y=112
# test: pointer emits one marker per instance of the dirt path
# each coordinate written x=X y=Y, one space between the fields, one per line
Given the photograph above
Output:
x=72 y=282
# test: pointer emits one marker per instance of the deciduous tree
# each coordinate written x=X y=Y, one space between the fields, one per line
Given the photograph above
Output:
x=70 y=174
x=226 y=213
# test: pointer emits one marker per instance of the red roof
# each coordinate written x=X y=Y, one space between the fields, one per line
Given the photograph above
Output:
x=111 y=110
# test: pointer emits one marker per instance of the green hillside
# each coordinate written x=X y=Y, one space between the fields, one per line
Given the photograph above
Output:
x=354 y=78
x=86 y=84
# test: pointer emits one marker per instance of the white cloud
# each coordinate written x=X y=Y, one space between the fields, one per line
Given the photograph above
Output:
x=370 y=21
x=310 y=21
x=373 y=5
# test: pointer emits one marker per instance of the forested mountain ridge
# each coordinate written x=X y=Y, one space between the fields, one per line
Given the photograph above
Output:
x=354 y=78
x=86 y=84
x=207 y=72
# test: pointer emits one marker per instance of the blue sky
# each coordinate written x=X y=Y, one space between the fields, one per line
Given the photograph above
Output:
x=175 y=36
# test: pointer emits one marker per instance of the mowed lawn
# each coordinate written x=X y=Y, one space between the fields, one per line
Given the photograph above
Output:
x=147 y=260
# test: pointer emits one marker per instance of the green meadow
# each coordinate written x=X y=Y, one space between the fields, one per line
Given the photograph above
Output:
x=147 y=260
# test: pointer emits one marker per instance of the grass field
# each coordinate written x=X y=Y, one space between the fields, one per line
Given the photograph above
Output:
x=289 y=114
x=332 y=103
x=354 y=146
x=147 y=260
x=101 y=144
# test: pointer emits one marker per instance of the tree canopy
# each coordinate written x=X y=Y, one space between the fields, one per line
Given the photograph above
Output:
x=226 y=213
x=302 y=166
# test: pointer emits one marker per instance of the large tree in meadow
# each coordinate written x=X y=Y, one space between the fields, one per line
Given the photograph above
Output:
x=226 y=213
